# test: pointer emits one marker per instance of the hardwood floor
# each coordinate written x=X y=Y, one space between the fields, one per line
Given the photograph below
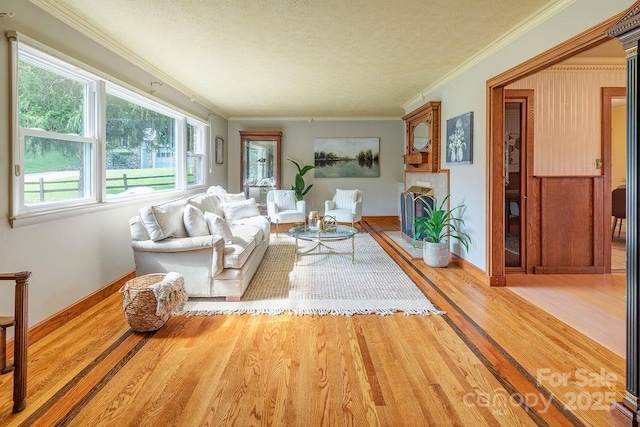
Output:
x=593 y=304
x=493 y=359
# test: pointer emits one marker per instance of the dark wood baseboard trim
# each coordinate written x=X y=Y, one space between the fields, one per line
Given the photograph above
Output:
x=381 y=217
x=45 y=327
x=473 y=270
x=568 y=270
x=622 y=416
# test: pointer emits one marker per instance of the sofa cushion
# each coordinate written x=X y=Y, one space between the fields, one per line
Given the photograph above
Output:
x=194 y=222
x=164 y=220
x=247 y=232
x=254 y=221
x=237 y=252
x=218 y=226
x=206 y=202
x=239 y=210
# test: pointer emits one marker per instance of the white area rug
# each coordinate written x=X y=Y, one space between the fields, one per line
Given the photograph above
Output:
x=321 y=285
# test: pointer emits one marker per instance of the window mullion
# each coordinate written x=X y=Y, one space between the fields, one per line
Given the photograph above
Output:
x=100 y=131
x=181 y=150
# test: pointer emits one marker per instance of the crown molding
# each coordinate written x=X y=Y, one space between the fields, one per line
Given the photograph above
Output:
x=65 y=15
x=587 y=67
x=315 y=119
x=518 y=31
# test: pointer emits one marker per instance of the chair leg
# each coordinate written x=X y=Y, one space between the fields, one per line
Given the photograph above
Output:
x=613 y=230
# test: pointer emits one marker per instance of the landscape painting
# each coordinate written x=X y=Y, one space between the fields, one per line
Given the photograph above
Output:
x=347 y=157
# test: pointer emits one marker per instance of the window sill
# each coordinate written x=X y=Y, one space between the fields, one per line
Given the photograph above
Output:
x=37 y=217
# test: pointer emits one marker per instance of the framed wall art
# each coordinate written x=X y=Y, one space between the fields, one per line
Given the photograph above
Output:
x=219 y=150
x=459 y=142
x=347 y=157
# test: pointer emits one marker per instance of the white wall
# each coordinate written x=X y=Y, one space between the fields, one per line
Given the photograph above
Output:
x=379 y=194
x=70 y=258
x=467 y=92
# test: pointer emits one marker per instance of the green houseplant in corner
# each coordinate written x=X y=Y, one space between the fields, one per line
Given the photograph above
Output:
x=436 y=227
x=299 y=186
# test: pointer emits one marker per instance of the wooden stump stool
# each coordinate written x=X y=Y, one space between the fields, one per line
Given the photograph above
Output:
x=5 y=322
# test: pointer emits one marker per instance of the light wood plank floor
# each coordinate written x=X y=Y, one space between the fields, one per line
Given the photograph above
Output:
x=493 y=359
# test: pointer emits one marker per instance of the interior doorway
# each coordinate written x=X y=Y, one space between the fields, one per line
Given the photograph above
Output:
x=518 y=124
x=614 y=113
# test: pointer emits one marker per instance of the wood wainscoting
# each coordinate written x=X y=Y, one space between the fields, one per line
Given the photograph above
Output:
x=570 y=213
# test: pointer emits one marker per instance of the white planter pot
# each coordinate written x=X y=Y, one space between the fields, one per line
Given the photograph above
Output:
x=435 y=254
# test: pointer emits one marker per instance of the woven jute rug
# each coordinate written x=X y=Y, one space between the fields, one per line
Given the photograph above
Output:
x=323 y=284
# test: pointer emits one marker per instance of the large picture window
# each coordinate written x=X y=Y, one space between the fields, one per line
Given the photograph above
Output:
x=83 y=139
x=140 y=149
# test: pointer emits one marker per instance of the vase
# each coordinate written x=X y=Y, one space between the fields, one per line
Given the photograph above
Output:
x=313 y=220
x=435 y=254
x=459 y=154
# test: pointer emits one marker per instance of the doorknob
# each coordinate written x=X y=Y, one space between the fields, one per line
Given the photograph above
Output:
x=524 y=196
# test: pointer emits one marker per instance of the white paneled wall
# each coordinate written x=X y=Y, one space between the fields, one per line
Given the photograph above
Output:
x=567 y=117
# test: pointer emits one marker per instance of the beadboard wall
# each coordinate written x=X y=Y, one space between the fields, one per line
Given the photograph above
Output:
x=567 y=117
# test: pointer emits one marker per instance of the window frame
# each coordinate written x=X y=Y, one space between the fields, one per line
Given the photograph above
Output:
x=98 y=86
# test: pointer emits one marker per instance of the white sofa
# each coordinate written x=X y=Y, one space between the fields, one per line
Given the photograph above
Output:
x=215 y=240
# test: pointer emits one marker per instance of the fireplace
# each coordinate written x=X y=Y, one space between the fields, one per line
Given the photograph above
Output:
x=412 y=206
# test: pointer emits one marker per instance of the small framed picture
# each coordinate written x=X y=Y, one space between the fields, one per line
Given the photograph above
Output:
x=460 y=139
x=219 y=150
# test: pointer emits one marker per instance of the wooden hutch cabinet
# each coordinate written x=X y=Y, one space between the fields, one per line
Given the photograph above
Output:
x=422 y=146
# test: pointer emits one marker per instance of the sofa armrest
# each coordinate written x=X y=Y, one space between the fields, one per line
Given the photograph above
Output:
x=301 y=206
x=357 y=209
x=329 y=205
x=272 y=209
x=183 y=244
x=150 y=254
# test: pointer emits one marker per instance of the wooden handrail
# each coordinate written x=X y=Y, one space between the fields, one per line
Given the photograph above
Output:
x=20 y=338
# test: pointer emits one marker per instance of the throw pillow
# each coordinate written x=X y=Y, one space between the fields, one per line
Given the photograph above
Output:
x=238 y=210
x=206 y=202
x=217 y=190
x=218 y=226
x=285 y=199
x=164 y=220
x=194 y=222
x=230 y=198
x=345 y=198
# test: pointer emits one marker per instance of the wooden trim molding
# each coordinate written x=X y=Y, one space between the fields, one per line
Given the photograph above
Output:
x=627 y=30
x=474 y=271
x=51 y=323
x=495 y=101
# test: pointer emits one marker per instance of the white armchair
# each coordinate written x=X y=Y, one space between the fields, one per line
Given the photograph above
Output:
x=282 y=206
x=346 y=206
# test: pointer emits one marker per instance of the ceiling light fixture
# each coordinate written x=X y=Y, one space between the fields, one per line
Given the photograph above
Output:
x=6 y=15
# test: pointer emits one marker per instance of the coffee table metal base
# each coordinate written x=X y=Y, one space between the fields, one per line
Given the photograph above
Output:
x=322 y=239
x=328 y=250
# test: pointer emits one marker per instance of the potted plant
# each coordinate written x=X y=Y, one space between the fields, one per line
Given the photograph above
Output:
x=436 y=228
x=299 y=186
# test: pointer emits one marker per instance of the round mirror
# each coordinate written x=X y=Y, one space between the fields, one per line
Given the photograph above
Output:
x=421 y=136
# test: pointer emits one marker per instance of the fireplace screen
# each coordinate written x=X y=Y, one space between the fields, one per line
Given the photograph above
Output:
x=412 y=206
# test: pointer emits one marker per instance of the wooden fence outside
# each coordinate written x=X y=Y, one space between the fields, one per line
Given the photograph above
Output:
x=67 y=186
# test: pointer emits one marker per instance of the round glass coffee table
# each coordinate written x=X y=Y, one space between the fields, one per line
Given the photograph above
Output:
x=321 y=238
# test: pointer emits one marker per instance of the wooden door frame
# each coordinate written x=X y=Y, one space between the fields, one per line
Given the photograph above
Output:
x=495 y=136
x=526 y=98
x=608 y=93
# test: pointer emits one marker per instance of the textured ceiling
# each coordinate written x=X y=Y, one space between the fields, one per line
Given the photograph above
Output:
x=299 y=58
